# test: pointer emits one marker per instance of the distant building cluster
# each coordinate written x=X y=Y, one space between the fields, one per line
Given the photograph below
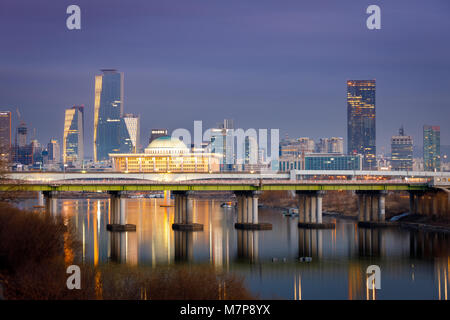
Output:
x=117 y=142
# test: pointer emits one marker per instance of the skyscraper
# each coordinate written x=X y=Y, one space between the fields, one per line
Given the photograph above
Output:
x=108 y=110
x=73 y=139
x=53 y=152
x=5 y=133
x=402 y=151
x=361 y=125
x=23 y=152
x=432 y=148
x=130 y=134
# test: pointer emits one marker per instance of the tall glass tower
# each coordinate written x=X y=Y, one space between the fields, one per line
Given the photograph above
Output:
x=130 y=134
x=361 y=125
x=108 y=110
x=432 y=148
x=402 y=151
x=73 y=144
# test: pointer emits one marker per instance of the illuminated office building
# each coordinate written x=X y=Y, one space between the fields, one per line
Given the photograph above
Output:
x=53 y=152
x=432 y=148
x=361 y=125
x=320 y=161
x=166 y=155
x=108 y=110
x=130 y=134
x=22 y=151
x=73 y=141
x=402 y=152
x=336 y=145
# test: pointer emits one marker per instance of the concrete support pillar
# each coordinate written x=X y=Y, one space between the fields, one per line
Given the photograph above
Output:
x=417 y=203
x=184 y=212
x=319 y=207
x=434 y=204
x=301 y=207
x=372 y=208
x=412 y=209
x=310 y=210
x=367 y=207
x=255 y=209
x=247 y=211
x=41 y=200
x=382 y=206
x=118 y=213
x=189 y=208
x=361 y=206
x=307 y=209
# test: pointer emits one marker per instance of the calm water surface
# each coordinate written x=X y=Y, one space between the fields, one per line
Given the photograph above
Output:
x=414 y=265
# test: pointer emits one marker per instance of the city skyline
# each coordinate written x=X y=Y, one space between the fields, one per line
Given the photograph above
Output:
x=229 y=72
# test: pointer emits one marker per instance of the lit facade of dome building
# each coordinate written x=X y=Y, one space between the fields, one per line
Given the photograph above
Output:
x=166 y=155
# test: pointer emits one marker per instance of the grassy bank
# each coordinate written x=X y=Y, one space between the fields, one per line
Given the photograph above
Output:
x=35 y=250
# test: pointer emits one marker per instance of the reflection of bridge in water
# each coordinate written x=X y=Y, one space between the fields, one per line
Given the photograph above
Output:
x=428 y=192
x=251 y=256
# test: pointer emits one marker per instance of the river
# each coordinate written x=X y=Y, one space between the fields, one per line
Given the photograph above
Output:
x=283 y=263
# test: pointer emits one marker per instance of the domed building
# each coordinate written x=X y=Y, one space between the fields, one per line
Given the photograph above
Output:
x=166 y=155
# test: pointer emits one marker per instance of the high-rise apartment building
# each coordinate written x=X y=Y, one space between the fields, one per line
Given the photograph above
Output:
x=5 y=134
x=73 y=139
x=361 y=125
x=432 y=148
x=53 y=152
x=108 y=110
x=336 y=145
x=22 y=151
x=402 y=151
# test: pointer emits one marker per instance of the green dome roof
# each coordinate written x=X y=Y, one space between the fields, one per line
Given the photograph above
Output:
x=167 y=142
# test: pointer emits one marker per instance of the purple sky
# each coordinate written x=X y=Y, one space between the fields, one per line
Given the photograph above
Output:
x=264 y=63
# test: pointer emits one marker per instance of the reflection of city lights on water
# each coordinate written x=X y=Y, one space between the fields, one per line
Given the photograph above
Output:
x=442 y=267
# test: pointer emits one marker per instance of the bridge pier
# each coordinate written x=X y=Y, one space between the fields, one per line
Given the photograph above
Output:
x=184 y=212
x=371 y=208
x=310 y=210
x=117 y=207
x=51 y=201
x=434 y=202
x=247 y=211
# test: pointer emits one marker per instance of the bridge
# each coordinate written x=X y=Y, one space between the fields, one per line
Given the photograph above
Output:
x=428 y=191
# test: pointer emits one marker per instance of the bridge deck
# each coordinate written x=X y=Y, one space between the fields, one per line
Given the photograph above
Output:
x=210 y=185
